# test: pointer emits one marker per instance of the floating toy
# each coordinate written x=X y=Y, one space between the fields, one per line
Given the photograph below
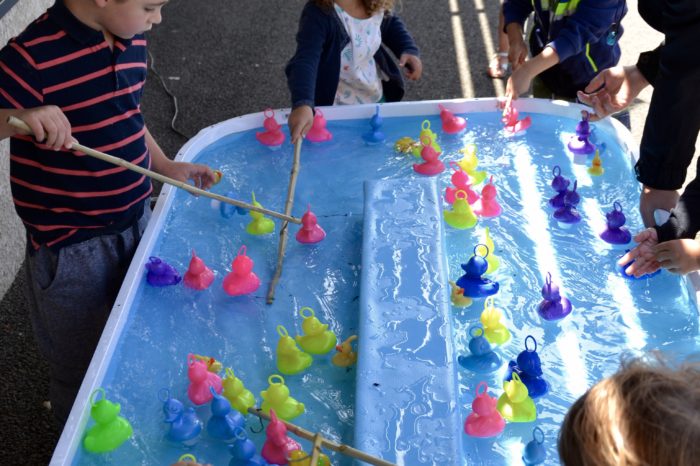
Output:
x=241 y=280
x=622 y=269
x=553 y=306
x=317 y=339
x=461 y=216
x=492 y=259
x=431 y=164
x=616 y=233
x=224 y=421
x=567 y=213
x=185 y=426
x=473 y=284
x=561 y=186
x=460 y=180
x=160 y=273
x=227 y=210
x=579 y=144
x=235 y=392
x=200 y=381
x=218 y=176
x=375 y=136
x=110 y=429
x=406 y=145
x=212 y=364
x=510 y=120
x=187 y=458
x=515 y=404
x=273 y=136
x=198 y=275
x=345 y=356
x=469 y=162
x=301 y=458
x=457 y=296
x=426 y=132
x=485 y=420
x=596 y=168
x=494 y=330
x=318 y=131
x=534 y=452
x=260 y=225
x=482 y=359
x=310 y=231
x=488 y=206
x=451 y=124
x=278 y=445
x=277 y=397
x=528 y=368
x=290 y=359
x=243 y=451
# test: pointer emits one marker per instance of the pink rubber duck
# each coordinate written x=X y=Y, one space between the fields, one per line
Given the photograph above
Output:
x=485 y=420
x=488 y=206
x=200 y=381
x=310 y=231
x=198 y=275
x=431 y=164
x=451 y=124
x=510 y=120
x=462 y=182
x=278 y=445
x=273 y=136
x=241 y=280
x=318 y=131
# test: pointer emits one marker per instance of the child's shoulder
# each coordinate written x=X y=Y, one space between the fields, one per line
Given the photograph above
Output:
x=39 y=31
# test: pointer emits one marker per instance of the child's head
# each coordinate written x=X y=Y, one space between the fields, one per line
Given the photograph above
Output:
x=645 y=414
x=371 y=6
x=127 y=18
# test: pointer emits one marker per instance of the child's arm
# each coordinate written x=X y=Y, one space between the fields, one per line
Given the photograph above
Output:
x=519 y=81
x=202 y=175
x=48 y=123
x=399 y=40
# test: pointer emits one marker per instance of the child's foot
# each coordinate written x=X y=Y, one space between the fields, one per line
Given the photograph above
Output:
x=498 y=66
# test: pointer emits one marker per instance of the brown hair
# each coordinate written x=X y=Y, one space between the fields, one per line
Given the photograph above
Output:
x=371 y=6
x=646 y=414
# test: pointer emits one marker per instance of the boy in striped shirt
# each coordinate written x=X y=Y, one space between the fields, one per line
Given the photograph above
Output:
x=79 y=70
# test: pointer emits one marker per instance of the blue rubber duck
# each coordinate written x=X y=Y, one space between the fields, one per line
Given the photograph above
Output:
x=529 y=368
x=472 y=282
x=375 y=135
x=534 y=452
x=161 y=273
x=185 y=426
x=224 y=420
x=483 y=359
x=243 y=451
x=227 y=210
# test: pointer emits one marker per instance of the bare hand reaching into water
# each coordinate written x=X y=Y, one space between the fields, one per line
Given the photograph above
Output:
x=679 y=256
x=612 y=90
x=643 y=254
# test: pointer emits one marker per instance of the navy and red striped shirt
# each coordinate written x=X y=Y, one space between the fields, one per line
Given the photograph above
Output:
x=63 y=197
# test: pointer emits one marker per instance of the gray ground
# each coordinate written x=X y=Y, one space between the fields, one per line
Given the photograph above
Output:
x=225 y=58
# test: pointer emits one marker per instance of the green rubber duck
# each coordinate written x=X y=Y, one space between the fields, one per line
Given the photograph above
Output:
x=260 y=225
x=290 y=359
x=110 y=429
x=277 y=397
x=469 y=162
x=426 y=132
x=515 y=404
x=317 y=339
x=461 y=216
x=235 y=392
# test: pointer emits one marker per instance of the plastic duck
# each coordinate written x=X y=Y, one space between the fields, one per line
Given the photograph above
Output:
x=622 y=269
x=375 y=136
x=485 y=420
x=451 y=124
x=243 y=451
x=301 y=458
x=553 y=306
x=469 y=162
x=226 y=209
x=212 y=364
x=457 y=296
x=528 y=368
x=494 y=330
x=510 y=120
x=290 y=359
x=187 y=458
x=596 y=168
x=472 y=282
x=431 y=164
x=185 y=426
x=492 y=259
x=515 y=404
x=426 y=132
x=241 y=280
x=616 y=233
x=483 y=359
x=561 y=186
x=579 y=144
x=317 y=339
x=488 y=205
x=223 y=421
x=318 y=131
x=460 y=181
x=534 y=452
x=310 y=231
x=160 y=273
x=273 y=136
x=277 y=397
x=260 y=225
x=235 y=392
x=110 y=429
x=198 y=275
x=345 y=356
x=461 y=216
x=200 y=381
x=567 y=213
x=278 y=445
x=406 y=145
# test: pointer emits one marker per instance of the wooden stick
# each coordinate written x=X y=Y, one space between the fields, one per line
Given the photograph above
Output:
x=316 y=449
x=339 y=447
x=19 y=124
x=283 y=231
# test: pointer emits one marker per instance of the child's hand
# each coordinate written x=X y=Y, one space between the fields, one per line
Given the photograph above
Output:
x=412 y=65
x=518 y=83
x=202 y=175
x=679 y=256
x=300 y=121
x=49 y=125
x=643 y=254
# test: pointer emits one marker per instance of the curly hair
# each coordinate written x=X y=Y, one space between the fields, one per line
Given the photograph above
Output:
x=371 y=6
x=646 y=414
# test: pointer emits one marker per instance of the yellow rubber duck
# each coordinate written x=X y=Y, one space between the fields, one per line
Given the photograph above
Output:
x=461 y=216
x=345 y=356
x=277 y=397
x=494 y=330
x=317 y=339
x=457 y=296
x=212 y=364
x=235 y=392
x=426 y=132
x=290 y=359
x=218 y=176
x=469 y=162
x=492 y=259
x=260 y=225
x=596 y=168
x=406 y=144
x=301 y=458
x=515 y=404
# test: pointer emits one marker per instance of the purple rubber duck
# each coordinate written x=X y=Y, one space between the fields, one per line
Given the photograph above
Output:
x=561 y=186
x=553 y=306
x=160 y=273
x=615 y=233
x=580 y=143
x=567 y=213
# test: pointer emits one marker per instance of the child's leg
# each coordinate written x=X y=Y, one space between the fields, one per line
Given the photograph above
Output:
x=498 y=67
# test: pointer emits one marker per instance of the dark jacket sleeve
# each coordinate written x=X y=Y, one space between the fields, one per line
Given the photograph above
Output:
x=396 y=36
x=516 y=11
x=673 y=121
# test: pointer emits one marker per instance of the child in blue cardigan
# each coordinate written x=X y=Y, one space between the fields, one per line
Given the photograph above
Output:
x=341 y=58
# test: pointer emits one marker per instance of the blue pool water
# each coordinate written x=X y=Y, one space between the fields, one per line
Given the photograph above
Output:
x=611 y=315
